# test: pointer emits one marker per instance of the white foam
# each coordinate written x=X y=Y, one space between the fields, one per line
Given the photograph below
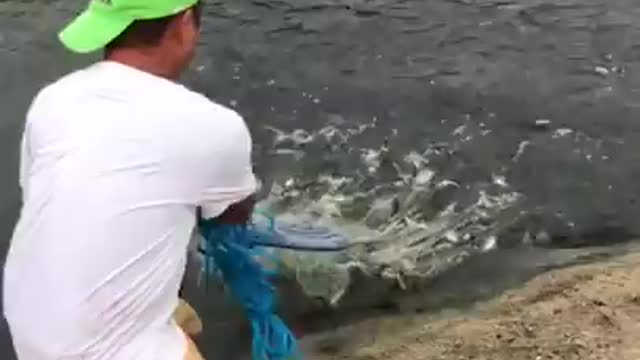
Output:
x=408 y=234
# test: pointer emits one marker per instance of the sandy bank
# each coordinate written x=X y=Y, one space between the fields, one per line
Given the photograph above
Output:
x=583 y=312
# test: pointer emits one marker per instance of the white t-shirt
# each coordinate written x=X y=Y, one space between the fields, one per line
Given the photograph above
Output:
x=114 y=163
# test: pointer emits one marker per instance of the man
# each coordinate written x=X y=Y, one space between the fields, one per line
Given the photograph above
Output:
x=117 y=159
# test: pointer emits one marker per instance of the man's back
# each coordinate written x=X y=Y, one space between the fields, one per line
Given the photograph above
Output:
x=114 y=163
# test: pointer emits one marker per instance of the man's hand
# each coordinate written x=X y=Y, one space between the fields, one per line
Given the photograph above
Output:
x=187 y=318
x=238 y=213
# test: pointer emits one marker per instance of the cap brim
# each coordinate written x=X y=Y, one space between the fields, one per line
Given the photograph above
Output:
x=92 y=30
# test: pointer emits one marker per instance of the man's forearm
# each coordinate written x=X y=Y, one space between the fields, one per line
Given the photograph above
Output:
x=238 y=213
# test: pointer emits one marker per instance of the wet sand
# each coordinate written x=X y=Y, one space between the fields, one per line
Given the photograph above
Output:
x=584 y=312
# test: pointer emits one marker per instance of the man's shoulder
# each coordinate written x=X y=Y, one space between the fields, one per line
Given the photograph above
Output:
x=59 y=88
x=48 y=95
x=207 y=107
x=133 y=88
x=211 y=114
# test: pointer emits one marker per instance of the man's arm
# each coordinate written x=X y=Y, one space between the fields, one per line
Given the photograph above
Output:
x=238 y=213
x=226 y=171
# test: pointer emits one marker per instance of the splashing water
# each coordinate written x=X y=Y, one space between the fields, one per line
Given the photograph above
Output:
x=408 y=222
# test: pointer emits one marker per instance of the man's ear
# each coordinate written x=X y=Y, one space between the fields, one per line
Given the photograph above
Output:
x=186 y=25
x=188 y=19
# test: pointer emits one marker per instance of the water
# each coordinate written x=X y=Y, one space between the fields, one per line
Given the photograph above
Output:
x=438 y=130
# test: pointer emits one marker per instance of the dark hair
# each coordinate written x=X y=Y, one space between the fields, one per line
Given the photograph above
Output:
x=148 y=33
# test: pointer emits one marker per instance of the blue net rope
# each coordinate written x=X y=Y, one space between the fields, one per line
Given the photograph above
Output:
x=228 y=252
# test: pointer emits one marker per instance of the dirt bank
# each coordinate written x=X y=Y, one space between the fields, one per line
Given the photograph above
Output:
x=584 y=312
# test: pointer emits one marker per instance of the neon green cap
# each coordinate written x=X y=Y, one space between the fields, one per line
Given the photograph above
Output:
x=104 y=20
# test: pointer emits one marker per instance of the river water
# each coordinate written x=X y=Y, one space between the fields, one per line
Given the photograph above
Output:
x=504 y=123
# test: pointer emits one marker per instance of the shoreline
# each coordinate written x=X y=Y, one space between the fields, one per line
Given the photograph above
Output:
x=588 y=311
